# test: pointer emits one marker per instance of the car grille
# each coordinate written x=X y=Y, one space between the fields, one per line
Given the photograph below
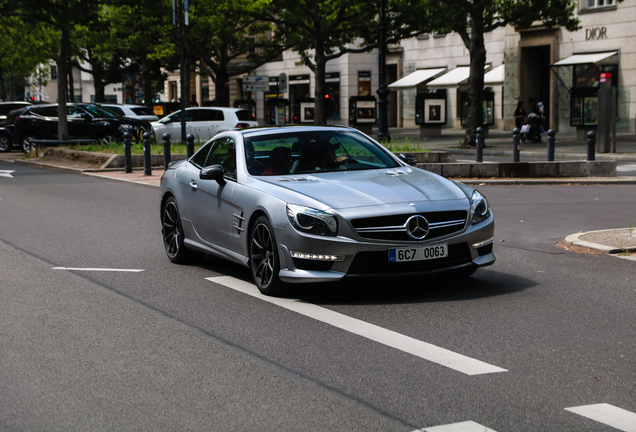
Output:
x=377 y=263
x=394 y=227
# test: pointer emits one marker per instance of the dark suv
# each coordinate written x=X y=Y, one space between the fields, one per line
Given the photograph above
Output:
x=85 y=121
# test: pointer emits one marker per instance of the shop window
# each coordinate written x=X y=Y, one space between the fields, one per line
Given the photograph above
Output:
x=364 y=83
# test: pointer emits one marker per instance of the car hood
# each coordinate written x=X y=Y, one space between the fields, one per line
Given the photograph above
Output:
x=341 y=190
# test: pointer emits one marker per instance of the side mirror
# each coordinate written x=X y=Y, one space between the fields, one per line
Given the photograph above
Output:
x=86 y=117
x=213 y=172
x=408 y=158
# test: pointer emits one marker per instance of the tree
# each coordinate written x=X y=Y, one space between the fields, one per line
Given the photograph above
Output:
x=471 y=19
x=323 y=30
x=229 y=39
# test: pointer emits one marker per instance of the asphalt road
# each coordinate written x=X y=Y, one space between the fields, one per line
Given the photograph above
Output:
x=128 y=341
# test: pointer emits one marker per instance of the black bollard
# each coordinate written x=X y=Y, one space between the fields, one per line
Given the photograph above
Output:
x=190 y=145
x=551 y=144
x=480 y=144
x=147 y=158
x=166 y=151
x=127 y=153
x=515 y=144
x=591 y=145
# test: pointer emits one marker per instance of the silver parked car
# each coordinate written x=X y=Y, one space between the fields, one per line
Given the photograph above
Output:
x=203 y=122
x=314 y=204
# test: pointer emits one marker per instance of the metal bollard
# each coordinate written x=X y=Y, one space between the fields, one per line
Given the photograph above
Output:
x=551 y=144
x=127 y=153
x=515 y=144
x=147 y=158
x=166 y=151
x=591 y=145
x=190 y=145
x=480 y=144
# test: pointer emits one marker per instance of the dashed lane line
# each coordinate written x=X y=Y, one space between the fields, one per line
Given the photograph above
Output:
x=467 y=426
x=435 y=354
x=97 y=269
x=610 y=415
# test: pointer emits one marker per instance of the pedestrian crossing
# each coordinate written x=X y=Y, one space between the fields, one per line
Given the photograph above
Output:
x=607 y=414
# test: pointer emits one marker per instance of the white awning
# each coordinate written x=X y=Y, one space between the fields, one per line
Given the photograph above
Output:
x=417 y=77
x=585 y=58
x=495 y=77
x=452 y=79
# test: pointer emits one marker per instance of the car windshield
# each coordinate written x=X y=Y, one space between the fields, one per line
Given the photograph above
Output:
x=100 y=111
x=313 y=152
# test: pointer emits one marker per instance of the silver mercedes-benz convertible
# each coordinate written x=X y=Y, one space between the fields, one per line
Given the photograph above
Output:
x=315 y=204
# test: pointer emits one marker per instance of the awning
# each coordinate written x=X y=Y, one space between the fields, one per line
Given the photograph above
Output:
x=417 y=77
x=495 y=77
x=578 y=59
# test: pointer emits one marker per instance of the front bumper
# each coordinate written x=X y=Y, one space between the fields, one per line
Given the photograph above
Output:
x=472 y=248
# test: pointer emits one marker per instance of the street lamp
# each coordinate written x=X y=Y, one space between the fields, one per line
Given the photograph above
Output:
x=383 y=91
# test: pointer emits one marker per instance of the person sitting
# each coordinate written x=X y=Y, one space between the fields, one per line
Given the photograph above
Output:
x=317 y=157
x=279 y=162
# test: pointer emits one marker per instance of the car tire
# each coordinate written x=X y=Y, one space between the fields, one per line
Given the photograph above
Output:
x=5 y=143
x=173 y=235
x=25 y=142
x=264 y=260
x=107 y=138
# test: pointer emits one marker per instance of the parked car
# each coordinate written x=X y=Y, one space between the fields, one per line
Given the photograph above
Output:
x=7 y=116
x=316 y=203
x=7 y=107
x=85 y=121
x=133 y=111
x=203 y=122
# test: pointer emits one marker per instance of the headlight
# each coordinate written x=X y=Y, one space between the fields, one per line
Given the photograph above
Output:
x=311 y=221
x=479 y=207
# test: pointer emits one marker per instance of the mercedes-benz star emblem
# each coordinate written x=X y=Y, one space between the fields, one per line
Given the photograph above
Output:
x=417 y=227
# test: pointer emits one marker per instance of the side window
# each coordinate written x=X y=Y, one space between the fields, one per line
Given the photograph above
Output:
x=200 y=157
x=118 y=110
x=73 y=112
x=224 y=153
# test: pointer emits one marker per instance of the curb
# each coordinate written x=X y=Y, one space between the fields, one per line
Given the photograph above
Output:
x=574 y=241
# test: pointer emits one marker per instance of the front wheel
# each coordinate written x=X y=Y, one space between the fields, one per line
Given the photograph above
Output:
x=264 y=258
x=5 y=144
x=107 y=138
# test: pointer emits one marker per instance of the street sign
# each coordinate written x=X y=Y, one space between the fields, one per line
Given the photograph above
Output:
x=282 y=82
x=253 y=79
x=256 y=87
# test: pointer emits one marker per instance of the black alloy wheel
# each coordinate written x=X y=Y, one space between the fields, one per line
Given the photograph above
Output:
x=173 y=235
x=264 y=258
x=107 y=138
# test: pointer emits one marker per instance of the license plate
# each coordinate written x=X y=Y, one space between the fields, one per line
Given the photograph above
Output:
x=420 y=253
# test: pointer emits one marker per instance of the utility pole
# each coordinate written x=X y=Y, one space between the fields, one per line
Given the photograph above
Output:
x=182 y=17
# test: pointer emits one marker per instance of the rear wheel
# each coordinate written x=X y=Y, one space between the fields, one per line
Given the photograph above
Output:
x=26 y=142
x=5 y=144
x=264 y=258
x=173 y=235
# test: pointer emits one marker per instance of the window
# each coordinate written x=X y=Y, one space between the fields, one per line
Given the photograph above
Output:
x=53 y=72
x=599 y=3
x=220 y=152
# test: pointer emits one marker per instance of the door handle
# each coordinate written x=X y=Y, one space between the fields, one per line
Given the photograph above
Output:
x=193 y=185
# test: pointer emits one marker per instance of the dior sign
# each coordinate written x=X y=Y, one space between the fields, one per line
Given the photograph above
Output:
x=596 y=33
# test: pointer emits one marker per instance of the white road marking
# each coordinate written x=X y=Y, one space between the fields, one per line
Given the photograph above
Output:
x=6 y=173
x=468 y=426
x=608 y=414
x=98 y=269
x=626 y=168
x=378 y=334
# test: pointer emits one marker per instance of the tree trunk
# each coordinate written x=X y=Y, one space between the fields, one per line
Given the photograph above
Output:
x=476 y=81
x=62 y=124
x=3 y=94
x=221 y=91
x=320 y=103
x=71 y=82
x=98 y=82
x=145 y=74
